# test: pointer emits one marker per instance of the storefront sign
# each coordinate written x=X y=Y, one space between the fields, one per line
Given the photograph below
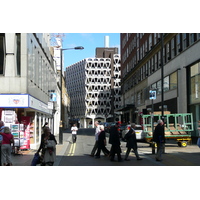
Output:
x=22 y=101
x=13 y=100
x=38 y=105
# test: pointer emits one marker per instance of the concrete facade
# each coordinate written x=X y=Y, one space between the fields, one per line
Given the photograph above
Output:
x=28 y=70
x=89 y=86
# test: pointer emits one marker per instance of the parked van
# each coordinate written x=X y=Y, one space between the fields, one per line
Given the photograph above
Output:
x=140 y=135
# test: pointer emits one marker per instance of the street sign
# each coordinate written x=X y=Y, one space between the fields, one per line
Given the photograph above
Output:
x=50 y=105
x=152 y=94
x=53 y=96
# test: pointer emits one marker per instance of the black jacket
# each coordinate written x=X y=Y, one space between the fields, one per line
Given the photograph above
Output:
x=101 y=139
x=159 y=135
x=131 y=139
x=114 y=138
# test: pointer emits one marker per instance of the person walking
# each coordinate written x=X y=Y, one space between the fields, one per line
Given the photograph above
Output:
x=114 y=140
x=131 y=143
x=97 y=130
x=48 y=147
x=74 y=130
x=45 y=125
x=1 y=130
x=159 y=138
x=6 y=146
x=102 y=143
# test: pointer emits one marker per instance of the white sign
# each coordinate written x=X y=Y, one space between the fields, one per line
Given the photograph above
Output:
x=14 y=100
x=152 y=94
x=50 y=105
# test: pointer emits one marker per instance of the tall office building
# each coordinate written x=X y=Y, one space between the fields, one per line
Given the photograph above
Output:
x=141 y=71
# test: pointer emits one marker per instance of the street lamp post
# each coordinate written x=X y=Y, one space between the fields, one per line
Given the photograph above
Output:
x=61 y=72
x=162 y=86
x=162 y=79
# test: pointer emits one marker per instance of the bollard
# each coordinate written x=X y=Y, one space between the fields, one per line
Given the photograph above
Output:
x=153 y=147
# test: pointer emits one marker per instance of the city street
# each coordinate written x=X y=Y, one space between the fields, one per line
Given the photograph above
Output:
x=78 y=154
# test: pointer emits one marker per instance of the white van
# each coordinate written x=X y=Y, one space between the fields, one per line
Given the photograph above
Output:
x=140 y=135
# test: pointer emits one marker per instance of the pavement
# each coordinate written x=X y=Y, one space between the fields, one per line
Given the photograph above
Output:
x=24 y=158
x=173 y=156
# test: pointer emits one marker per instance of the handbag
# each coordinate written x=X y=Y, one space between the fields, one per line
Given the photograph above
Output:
x=198 y=142
x=36 y=159
x=50 y=144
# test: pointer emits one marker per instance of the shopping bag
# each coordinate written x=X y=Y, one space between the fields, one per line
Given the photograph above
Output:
x=36 y=159
x=198 y=142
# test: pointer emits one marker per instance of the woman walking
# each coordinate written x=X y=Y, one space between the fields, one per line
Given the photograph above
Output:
x=6 y=146
x=48 y=147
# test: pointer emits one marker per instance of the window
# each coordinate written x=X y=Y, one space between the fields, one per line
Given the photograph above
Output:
x=155 y=38
x=173 y=81
x=168 y=51
x=192 y=38
x=153 y=86
x=153 y=64
x=149 y=66
x=164 y=54
x=150 y=41
x=18 y=55
x=178 y=43
x=2 y=52
x=144 y=72
x=184 y=40
x=146 y=47
x=172 y=48
x=166 y=84
x=195 y=83
x=146 y=69
x=159 y=59
x=141 y=52
x=158 y=87
x=138 y=55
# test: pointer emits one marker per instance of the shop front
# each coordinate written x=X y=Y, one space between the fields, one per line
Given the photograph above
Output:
x=25 y=115
x=194 y=96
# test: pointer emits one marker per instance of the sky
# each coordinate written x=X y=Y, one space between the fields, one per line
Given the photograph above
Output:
x=90 y=41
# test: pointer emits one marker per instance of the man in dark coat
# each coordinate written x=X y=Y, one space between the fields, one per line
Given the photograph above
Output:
x=159 y=138
x=114 y=140
x=101 y=142
x=131 y=143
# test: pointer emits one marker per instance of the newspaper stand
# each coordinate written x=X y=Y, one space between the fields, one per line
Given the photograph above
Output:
x=16 y=132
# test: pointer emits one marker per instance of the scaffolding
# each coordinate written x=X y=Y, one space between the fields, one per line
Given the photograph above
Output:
x=177 y=126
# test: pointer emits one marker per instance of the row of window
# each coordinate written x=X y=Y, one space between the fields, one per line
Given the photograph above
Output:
x=172 y=48
x=195 y=83
x=17 y=53
x=40 y=71
x=170 y=83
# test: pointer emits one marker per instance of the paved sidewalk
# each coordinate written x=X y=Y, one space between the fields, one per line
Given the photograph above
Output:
x=25 y=157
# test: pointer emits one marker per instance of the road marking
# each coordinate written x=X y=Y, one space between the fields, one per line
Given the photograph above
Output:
x=72 y=149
